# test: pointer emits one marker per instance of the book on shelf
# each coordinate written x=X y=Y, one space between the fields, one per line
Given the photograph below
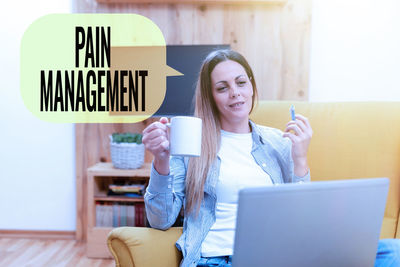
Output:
x=140 y=216
x=103 y=214
x=108 y=215
x=130 y=217
x=118 y=214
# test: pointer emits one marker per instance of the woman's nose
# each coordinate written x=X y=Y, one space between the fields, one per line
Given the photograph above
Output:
x=234 y=91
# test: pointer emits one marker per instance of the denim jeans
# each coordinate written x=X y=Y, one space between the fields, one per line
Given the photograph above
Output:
x=388 y=255
x=222 y=261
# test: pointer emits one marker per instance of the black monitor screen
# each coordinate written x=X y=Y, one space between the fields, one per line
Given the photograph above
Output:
x=179 y=96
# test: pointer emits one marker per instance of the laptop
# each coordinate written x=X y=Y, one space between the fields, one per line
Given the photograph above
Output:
x=332 y=223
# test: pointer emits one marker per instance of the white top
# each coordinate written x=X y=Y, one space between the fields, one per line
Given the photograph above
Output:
x=238 y=170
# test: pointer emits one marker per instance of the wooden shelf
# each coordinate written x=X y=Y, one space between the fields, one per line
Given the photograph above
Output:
x=107 y=169
x=99 y=177
x=96 y=246
x=117 y=198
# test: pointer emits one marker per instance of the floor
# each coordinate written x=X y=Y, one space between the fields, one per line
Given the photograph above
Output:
x=46 y=252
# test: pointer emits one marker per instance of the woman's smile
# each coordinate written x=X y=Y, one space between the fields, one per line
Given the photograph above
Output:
x=237 y=105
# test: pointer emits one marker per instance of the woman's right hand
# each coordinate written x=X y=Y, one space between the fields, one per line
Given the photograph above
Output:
x=156 y=140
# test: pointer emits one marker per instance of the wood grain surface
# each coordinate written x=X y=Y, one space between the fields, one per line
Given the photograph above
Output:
x=47 y=252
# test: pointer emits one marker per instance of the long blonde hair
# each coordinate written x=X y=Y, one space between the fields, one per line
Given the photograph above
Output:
x=206 y=109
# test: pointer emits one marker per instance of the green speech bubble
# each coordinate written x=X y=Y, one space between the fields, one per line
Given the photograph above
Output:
x=93 y=68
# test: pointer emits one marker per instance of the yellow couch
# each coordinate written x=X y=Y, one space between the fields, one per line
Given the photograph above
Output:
x=351 y=140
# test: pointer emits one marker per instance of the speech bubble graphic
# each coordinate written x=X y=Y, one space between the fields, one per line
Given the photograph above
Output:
x=93 y=68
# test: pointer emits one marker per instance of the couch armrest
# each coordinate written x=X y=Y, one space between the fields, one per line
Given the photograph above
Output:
x=141 y=247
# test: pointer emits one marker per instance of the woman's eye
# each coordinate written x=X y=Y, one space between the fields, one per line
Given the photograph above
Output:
x=241 y=83
x=221 y=88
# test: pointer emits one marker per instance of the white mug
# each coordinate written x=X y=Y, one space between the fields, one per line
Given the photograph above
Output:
x=185 y=136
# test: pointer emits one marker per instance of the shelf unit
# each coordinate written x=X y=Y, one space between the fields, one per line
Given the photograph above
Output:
x=99 y=177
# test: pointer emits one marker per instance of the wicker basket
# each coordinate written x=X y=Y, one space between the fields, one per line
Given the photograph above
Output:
x=126 y=155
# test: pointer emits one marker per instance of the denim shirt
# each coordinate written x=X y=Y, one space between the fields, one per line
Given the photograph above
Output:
x=165 y=194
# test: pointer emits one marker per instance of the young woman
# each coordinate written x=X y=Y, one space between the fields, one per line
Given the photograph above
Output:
x=236 y=153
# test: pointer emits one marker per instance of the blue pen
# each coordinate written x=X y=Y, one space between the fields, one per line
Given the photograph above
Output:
x=292 y=113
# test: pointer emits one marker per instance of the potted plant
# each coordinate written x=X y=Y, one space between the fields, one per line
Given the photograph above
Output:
x=127 y=150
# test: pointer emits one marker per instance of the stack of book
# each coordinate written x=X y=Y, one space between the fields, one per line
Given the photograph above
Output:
x=132 y=190
x=120 y=214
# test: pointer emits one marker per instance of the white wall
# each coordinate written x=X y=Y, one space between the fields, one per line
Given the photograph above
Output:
x=37 y=176
x=355 y=50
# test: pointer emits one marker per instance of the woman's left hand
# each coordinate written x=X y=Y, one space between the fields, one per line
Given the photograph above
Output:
x=301 y=136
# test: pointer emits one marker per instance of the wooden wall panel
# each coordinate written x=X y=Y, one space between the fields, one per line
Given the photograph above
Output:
x=295 y=36
x=274 y=37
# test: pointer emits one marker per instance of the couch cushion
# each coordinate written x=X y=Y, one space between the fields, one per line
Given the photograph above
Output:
x=351 y=140
x=141 y=246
